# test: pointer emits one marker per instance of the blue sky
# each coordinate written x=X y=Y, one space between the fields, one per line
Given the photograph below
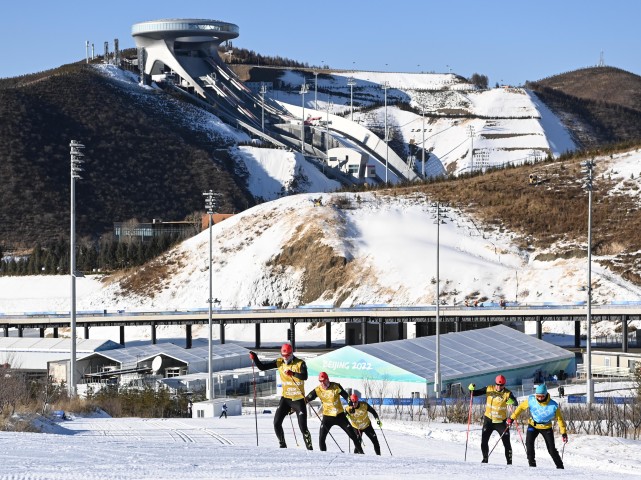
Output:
x=507 y=41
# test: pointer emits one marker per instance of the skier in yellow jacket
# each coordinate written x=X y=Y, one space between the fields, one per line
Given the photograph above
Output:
x=357 y=412
x=498 y=398
x=293 y=373
x=543 y=410
x=330 y=394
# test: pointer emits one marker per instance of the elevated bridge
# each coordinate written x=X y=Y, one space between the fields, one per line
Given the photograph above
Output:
x=371 y=323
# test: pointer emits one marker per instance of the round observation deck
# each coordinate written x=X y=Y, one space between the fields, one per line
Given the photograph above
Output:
x=185 y=30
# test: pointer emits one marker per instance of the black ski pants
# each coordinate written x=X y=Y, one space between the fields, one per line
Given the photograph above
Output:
x=284 y=407
x=341 y=420
x=548 y=436
x=488 y=428
x=371 y=433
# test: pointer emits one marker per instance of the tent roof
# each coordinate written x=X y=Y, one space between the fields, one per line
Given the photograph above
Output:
x=469 y=353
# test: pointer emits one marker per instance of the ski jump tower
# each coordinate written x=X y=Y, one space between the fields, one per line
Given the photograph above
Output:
x=182 y=45
x=188 y=49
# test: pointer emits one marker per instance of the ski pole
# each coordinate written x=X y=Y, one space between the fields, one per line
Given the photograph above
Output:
x=384 y=438
x=497 y=442
x=563 y=450
x=516 y=426
x=300 y=387
x=469 y=419
x=292 y=422
x=255 y=412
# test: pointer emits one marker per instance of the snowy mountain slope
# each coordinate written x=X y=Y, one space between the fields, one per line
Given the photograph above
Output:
x=502 y=125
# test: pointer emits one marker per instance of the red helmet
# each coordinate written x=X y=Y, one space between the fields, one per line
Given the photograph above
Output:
x=354 y=398
x=500 y=380
x=286 y=350
x=322 y=377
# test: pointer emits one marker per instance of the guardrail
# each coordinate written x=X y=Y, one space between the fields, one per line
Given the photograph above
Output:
x=486 y=306
x=598 y=370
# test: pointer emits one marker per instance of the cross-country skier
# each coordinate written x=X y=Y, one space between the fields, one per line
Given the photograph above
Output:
x=293 y=373
x=357 y=413
x=543 y=410
x=330 y=394
x=498 y=398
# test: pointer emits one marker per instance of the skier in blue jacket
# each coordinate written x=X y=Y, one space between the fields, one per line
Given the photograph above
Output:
x=543 y=410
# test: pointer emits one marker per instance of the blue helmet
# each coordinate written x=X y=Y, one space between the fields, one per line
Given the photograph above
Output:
x=541 y=389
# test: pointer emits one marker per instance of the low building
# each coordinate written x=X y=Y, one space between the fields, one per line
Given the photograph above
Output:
x=32 y=355
x=403 y=370
x=148 y=364
x=349 y=161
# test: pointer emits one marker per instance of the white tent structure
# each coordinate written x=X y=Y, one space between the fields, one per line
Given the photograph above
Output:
x=403 y=370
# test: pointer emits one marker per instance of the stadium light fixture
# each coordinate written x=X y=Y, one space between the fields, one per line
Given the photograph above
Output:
x=263 y=91
x=211 y=202
x=385 y=86
x=76 y=162
x=588 y=171
x=303 y=90
x=351 y=82
x=440 y=215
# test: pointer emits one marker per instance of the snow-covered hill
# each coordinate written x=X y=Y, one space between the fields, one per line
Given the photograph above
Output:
x=346 y=249
x=500 y=126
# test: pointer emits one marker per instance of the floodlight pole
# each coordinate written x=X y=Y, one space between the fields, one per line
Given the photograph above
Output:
x=210 y=205
x=351 y=83
x=471 y=131
x=385 y=86
x=303 y=91
x=315 y=90
x=423 y=144
x=263 y=91
x=76 y=161
x=437 y=374
x=588 y=170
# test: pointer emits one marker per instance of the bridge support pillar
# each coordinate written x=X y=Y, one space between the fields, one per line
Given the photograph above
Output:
x=539 y=328
x=122 y=335
x=20 y=331
x=55 y=332
x=86 y=332
x=6 y=330
x=222 y=332
x=577 y=334
x=363 y=331
x=421 y=328
x=188 y=336
x=401 y=330
x=292 y=333
x=328 y=334
x=381 y=330
x=153 y=333
x=42 y=333
x=257 y=335
x=624 y=339
x=457 y=324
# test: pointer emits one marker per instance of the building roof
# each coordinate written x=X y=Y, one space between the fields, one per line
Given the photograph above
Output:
x=33 y=353
x=37 y=344
x=131 y=356
x=474 y=355
x=473 y=352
